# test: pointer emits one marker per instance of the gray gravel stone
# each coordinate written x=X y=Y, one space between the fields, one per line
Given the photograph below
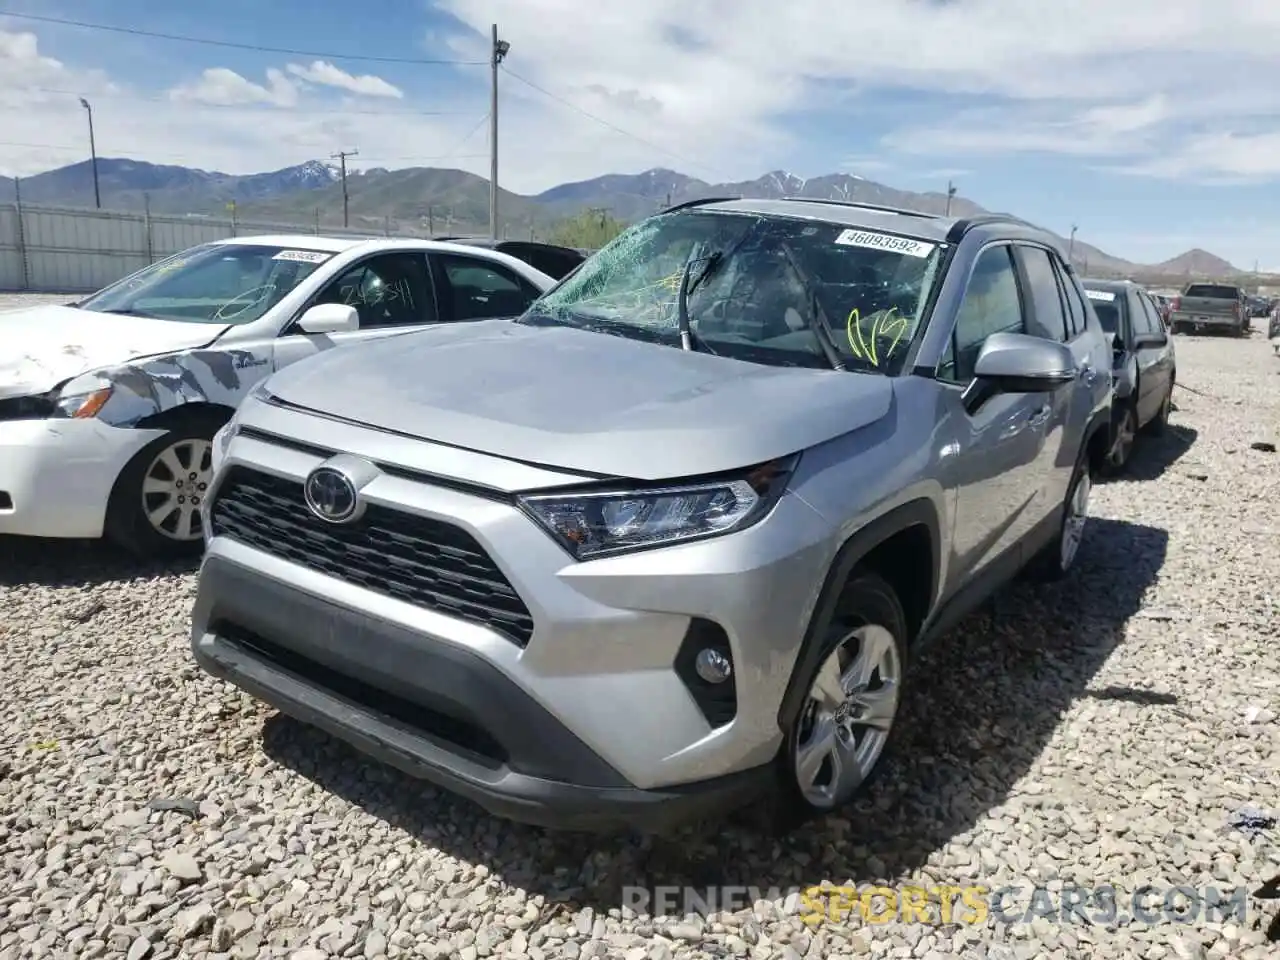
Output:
x=1100 y=731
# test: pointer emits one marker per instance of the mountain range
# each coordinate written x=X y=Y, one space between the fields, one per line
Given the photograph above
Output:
x=447 y=201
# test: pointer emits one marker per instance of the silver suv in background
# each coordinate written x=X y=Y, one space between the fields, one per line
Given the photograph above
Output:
x=670 y=540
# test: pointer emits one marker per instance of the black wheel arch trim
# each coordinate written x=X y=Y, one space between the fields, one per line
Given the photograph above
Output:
x=921 y=511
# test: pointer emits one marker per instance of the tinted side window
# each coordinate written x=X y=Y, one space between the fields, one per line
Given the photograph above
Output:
x=1138 y=316
x=480 y=290
x=391 y=289
x=1049 y=321
x=992 y=304
x=1153 y=313
x=1077 y=321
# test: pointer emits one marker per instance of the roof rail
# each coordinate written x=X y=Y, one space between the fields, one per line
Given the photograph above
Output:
x=700 y=201
x=866 y=206
x=963 y=226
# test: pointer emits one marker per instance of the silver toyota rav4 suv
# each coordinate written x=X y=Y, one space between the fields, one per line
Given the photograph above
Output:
x=669 y=542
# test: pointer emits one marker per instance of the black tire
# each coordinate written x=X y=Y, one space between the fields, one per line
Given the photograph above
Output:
x=1113 y=465
x=127 y=524
x=867 y=600
x=1048 y=565
x=1160 y=422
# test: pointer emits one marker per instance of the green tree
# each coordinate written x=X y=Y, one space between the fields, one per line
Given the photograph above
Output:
x=591 y=230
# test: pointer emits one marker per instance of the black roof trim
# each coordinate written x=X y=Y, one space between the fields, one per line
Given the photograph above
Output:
x=866 y=206
x=961 y=227
x=701 y=201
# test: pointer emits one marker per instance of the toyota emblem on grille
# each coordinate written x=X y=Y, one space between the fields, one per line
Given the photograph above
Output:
x=331 y=495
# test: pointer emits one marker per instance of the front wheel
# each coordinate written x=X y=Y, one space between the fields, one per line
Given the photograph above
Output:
x=837 y=744
x=155 y=506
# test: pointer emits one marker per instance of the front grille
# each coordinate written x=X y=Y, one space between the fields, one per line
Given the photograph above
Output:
x=426 y=562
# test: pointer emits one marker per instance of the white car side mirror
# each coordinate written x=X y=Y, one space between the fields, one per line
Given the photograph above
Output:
x=329 y=318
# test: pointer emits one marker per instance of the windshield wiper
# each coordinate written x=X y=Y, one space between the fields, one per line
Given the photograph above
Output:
x=130 y=312
x=816 y=318
x=682 y=300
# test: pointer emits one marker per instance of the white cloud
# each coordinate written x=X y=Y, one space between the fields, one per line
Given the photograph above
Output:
x=327 y=75
x=1156 y=88
x=220 y=87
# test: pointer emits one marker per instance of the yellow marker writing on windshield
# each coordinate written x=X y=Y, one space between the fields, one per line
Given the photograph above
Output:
x=889 y=323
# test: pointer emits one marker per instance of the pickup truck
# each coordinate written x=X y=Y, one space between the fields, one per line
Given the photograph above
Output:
x=1213 y=306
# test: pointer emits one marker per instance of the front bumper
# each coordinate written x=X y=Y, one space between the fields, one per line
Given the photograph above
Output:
x=1204 y=322
x=376 y=702
x=589 y=710
x=56 y=475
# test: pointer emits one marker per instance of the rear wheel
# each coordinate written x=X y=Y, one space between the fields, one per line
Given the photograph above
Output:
x=1126 y=434
x=1160 y=422
x=1058 y=558
x=837 y=744
x=155 y=507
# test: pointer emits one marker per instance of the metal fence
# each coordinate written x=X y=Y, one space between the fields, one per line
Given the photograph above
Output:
x=70 y=250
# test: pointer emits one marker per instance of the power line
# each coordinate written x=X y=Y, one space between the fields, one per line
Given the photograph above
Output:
x=600 y=120
x=266 y=108
x=79 y=148
x=320 y=54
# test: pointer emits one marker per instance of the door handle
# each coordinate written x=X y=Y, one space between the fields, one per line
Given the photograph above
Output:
x=1089 y=374
x=1040 y=416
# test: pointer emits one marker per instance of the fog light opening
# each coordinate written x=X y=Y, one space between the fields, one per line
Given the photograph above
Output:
x=713 y=666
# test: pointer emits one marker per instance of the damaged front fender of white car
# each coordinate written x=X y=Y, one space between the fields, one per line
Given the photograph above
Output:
x=142 y=389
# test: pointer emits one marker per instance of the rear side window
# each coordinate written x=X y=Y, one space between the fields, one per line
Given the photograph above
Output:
x=1077 y=319
x=1213 y=291
x=1108 y=308
x=1048 y=319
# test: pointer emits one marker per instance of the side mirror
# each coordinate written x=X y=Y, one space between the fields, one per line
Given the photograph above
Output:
x=1018 y=363
x=1155 y=339
x=329 y=318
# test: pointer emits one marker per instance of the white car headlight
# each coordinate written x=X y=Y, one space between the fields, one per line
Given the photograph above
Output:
x=80 y=401
x=599 y=523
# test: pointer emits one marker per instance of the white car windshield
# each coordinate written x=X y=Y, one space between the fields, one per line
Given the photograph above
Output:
x=222 y=283
x=762 y=289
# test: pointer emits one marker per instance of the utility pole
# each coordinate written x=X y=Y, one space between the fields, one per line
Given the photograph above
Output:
x=341 y=156
x=1071 y=244
x=93 y=153
x=951 y=192
x=431 y=220
x=496 y=55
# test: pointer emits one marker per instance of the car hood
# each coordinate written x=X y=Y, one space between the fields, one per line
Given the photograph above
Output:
x=40 y=347
x=587 y=402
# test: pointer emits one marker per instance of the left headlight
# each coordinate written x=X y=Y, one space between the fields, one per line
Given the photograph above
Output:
x=598 y=523
x=82 y=404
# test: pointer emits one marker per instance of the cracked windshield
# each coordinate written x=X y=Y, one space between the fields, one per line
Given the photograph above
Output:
x=785 y=292
x=218 y=283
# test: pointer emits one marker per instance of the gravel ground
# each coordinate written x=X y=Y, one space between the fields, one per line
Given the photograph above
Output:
x=1100 y=732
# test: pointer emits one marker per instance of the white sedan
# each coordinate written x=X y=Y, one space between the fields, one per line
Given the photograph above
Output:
x=108 y=407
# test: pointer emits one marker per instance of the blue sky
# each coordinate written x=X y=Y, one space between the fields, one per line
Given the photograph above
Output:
x=1153 y=126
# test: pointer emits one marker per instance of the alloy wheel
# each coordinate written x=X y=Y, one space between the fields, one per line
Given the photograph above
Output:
x=847 y=717
x=1075 y=520
x=175 y=485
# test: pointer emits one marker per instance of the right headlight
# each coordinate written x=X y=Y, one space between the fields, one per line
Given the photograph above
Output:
x=598 y=523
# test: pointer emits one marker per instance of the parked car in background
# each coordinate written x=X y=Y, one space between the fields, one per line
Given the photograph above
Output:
x=672 y=539
x=553 y=260
x=1273 y=329
x=1259 y=306
x=1210 y=306
x=1144 y=365
x=108 y=406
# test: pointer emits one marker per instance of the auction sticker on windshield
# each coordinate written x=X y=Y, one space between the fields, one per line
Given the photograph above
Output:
x=884 y=241
x=1106 y=296
x=303 y=256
